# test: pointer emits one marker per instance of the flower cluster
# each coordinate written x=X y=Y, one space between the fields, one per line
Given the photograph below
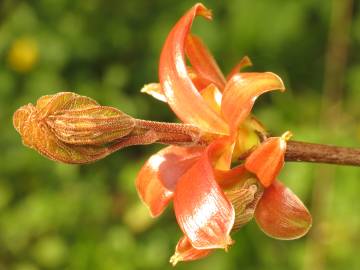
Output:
x=214 y=193
x=211 y=197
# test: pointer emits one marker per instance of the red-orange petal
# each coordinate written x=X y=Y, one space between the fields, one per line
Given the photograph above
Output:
x=241 y=92
x=244 y=62
x=184 y=251
x=181 y=94
x=157 y=179
x=267 y=160
x=199 y=82
x=203 y=62
x=281 y=214
x=202 y=210
x=228 y=178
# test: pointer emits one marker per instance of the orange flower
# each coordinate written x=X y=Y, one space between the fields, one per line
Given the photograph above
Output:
x=211 y=199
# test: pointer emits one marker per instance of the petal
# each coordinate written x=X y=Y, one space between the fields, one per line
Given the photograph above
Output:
x=241 y=92
x=244 y=62
x=156 y=180
x=224 y=160
x=212 y=96
x=154 y=90
x=229 y=178
x=201 y=208
x=267 y=160
x=223 y=153
x=184 y=251
x=203 y=62
x=181 y=94
x=281 y=214
x=199 y=82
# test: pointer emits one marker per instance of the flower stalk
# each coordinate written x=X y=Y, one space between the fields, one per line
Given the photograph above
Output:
x=296 y=151
x=96 y=131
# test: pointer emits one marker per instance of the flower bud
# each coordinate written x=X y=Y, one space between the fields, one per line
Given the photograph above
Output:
x=244 y=197
x=71 y=128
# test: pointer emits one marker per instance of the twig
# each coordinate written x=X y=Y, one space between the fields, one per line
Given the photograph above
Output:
x=321 y=153
x=188 y=135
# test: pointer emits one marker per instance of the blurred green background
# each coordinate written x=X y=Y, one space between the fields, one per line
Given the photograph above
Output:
x=55 y=216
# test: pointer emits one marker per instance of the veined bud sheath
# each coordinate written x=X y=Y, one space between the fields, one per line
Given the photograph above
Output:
x=71 y=128
x=244 y=197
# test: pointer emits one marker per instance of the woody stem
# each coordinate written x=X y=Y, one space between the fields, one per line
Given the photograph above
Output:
x=321 y=153
x=188 y=135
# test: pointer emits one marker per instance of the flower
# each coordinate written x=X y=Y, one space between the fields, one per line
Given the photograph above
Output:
x=210 y=198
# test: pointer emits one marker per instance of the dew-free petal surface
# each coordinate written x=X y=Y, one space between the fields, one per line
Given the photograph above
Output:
x=181 y=93
x=281 y=214
x=202 y=210
x=241 y=92
x=157 y=179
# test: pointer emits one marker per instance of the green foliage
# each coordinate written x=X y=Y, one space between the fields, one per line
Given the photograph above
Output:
x=55 y=216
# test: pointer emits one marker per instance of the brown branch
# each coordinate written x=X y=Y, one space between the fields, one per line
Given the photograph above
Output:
x=318 y=153
x=188 y=135
x=321 y=153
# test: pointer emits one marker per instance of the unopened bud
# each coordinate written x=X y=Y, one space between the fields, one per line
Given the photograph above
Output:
x=71 y=128
x=244 y=197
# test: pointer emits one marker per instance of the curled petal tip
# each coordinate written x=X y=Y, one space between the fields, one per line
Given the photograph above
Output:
x=279 y=84
x=204 y=11
x=247 y=61
x=244 y=62
x=242 y=90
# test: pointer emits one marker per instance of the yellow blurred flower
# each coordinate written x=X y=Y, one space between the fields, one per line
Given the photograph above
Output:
x=23 y=54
